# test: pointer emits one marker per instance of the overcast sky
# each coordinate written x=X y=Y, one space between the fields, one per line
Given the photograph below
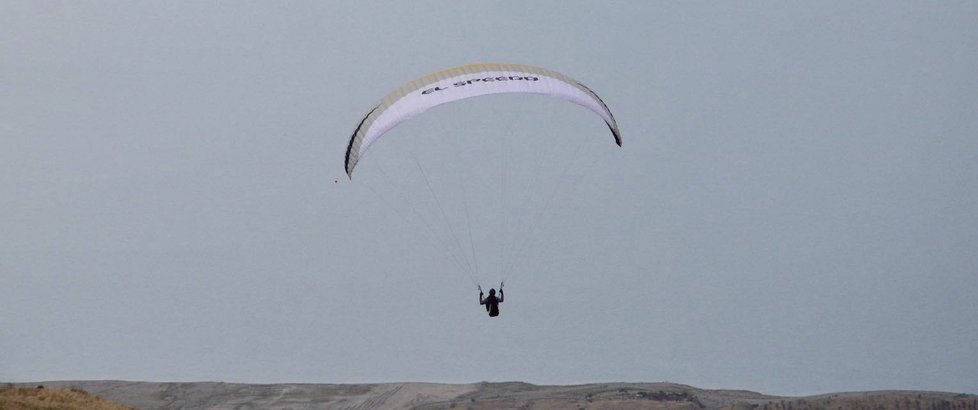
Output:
x=793 y=210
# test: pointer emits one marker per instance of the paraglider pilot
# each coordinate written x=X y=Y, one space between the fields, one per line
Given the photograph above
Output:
x=491 y=302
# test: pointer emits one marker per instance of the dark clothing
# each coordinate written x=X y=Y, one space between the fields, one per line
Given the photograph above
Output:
x=491 y=302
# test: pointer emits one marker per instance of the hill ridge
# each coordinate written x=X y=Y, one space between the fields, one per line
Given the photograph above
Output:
x=487 y=395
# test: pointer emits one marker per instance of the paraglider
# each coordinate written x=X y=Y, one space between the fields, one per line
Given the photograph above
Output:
x=491 y=302
x=459 y=83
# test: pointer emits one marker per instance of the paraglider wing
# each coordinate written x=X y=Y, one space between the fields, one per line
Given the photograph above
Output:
x=463 y=82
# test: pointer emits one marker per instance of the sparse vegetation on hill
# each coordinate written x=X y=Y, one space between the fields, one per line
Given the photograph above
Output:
x=869 y=401
x=40 y=398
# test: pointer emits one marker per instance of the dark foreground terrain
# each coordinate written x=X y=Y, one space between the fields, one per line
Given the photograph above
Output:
x=210 y=395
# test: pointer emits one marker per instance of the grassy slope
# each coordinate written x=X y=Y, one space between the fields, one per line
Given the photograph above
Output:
x=23 y=398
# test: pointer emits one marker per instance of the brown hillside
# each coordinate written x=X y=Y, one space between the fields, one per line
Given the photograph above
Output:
x=38 y=398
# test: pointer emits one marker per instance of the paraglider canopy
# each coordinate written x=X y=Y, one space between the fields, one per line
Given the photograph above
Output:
x=463 y=82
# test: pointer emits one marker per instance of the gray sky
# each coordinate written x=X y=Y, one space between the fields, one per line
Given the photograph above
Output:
x=793 y=209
